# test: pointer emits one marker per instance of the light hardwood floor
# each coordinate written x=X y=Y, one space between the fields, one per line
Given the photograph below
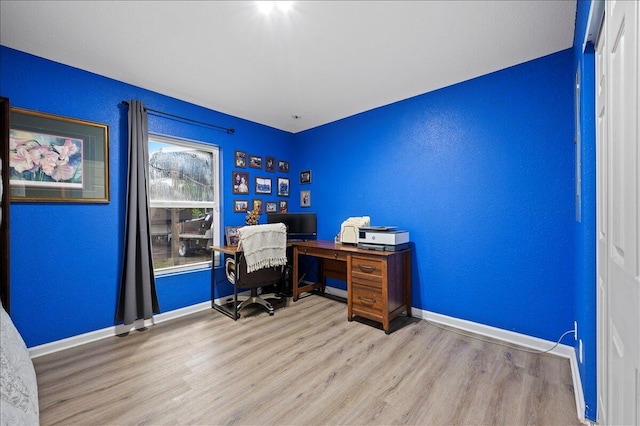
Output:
x=307 y=365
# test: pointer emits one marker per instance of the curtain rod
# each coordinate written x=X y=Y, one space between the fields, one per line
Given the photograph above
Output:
x=226 y=129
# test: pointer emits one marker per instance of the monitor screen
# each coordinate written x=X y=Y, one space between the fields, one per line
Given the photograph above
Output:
x=299 y=225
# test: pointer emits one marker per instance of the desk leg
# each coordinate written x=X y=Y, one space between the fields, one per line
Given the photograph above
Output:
x=407 y=281
x=349 y=290
x=294 y=279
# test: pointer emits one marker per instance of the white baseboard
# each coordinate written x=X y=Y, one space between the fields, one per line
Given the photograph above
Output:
x=519 y=339
x=81 y=339
x=460 y=324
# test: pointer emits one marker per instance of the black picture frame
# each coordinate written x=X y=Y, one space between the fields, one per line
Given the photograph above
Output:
x=305 y=176
x=240 y=159
x=270 y=164
x=263 y=185
x=283 y=166
x=283 y=186
x=240 y=182
x=255 y=161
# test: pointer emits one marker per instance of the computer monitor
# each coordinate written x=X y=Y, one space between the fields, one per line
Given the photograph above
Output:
x=299 y=225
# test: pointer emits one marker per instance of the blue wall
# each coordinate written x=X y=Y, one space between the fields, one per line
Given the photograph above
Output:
x=480 y=174
x=585 y=277
x=66 y=258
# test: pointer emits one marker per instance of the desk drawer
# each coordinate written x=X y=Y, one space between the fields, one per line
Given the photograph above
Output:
x=366 y=269
x=323 y=253
x=367 y=299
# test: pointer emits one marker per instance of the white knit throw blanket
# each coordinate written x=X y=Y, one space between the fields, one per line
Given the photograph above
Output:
x=263 y=245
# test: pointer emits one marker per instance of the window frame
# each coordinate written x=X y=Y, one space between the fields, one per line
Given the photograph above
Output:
x=214 y=205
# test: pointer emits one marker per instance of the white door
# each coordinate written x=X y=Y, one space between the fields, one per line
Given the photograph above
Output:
x=618 y=188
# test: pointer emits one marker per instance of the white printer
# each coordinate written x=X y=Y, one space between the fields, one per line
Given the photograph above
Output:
x=383 y=238
x=351 y=227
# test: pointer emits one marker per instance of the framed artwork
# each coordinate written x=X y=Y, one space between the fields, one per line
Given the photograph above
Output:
x=263 y=185
x=231 y=233
x=271 y=207
x=257 y=205
x=240 y=206
x=57 y=159
x=270 y=164
x=255 y=161
x=283 y=166
x=240 y=182
x=283 y=187
x=241 y=159
x=305 y=176
x=305 y=198
x=284 y=206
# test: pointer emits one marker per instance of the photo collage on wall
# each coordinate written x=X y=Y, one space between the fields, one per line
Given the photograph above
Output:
x=264 y=185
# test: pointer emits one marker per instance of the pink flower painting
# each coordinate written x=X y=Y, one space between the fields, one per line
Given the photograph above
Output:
x=37 y=159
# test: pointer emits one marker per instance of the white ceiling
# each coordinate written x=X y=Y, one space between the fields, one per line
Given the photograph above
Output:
x=322 y=61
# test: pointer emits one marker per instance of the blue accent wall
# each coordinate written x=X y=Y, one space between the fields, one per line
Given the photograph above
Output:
x=480 y=174
x=585 y=292
x=66 y=258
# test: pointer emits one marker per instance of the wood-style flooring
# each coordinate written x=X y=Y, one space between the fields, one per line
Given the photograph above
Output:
x=306 y=365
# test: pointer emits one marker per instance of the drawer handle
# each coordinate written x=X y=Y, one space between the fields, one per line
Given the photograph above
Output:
x=335 y=255
x=305 y=251
x=366 y=268
x=367 y=300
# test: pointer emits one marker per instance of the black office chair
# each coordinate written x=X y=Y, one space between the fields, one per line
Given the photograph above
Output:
x=237 y=274
x=261 y=249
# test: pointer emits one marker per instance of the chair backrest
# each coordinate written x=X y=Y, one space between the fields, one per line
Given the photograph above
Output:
x=261 y=277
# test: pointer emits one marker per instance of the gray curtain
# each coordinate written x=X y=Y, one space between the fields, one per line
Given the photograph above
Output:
x=138 y=298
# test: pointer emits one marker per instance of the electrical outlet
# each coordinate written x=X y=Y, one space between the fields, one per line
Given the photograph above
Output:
x=575 y=330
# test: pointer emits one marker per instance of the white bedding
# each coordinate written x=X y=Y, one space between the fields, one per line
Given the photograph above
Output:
x=18 y=386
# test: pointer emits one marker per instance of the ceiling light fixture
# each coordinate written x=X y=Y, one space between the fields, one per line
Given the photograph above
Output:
x=267 y=6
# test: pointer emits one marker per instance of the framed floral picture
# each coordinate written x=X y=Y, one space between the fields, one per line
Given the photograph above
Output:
x=55 y=158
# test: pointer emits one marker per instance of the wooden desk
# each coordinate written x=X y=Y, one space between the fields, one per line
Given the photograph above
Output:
x=378 y=282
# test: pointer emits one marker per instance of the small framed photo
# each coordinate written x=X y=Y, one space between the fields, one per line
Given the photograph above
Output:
x=283 y=187
x=263 y=185
x=283 y=166
x=241 y=159
x=240 y=182
x=257 y=205
x=231 y=233
x=240 y=206
x=271 y=207
x=305 y=176
x=284 y=206
x=270 y=165
x=305 y=198
x=255 y=161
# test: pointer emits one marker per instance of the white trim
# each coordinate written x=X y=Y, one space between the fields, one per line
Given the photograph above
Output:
x=594 y=23
x=519 y=339
x=81 y=339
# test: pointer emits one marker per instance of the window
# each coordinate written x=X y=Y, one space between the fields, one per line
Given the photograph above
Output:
x=184 y=200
